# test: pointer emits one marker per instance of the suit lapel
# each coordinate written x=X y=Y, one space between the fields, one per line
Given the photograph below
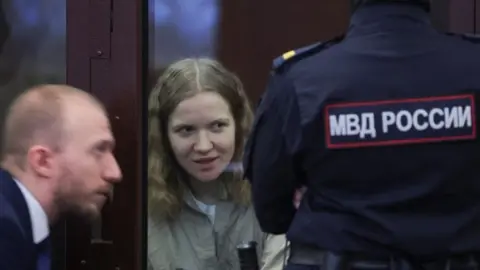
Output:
x=12 y=193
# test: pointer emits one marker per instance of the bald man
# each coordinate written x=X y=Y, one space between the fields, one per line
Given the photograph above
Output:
x=57 y=159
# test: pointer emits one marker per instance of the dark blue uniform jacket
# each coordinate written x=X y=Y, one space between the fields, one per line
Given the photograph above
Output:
x=380 y=125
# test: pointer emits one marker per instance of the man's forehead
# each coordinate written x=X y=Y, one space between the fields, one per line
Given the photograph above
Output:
x=94 y=139
x=88 y=119
x=82 y=108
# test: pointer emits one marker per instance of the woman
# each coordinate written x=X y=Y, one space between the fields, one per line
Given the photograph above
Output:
x=199 y=208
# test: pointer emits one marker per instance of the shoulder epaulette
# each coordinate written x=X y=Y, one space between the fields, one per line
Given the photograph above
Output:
x=302 y=52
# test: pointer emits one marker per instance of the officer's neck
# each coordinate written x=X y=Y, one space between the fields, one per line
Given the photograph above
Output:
x=381 y=11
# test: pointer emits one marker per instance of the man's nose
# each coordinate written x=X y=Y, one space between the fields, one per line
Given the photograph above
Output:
x=113 y=173
x=203 y=143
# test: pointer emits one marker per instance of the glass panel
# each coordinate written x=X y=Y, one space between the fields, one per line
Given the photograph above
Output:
x=181 y=29
x=178 y=29
x=32 y=51
x=32 y=46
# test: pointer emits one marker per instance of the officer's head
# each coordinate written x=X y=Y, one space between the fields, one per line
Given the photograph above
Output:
x=355 y=4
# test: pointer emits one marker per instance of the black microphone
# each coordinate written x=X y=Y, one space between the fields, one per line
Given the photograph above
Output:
x=247 y=255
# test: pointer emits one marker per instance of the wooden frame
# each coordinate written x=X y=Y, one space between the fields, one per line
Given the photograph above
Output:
x=462 y=16
x=104 y=57
x=477 y=16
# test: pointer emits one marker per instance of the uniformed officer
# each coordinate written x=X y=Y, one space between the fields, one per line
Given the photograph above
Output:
x=380 y=126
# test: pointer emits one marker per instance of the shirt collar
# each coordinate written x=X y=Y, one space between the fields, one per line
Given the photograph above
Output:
x=38 y=217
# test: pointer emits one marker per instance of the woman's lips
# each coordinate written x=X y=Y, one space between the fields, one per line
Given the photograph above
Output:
x=205 y=161
x=206 y=164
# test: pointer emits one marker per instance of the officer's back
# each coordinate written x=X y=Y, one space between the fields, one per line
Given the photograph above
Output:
x=389 y=129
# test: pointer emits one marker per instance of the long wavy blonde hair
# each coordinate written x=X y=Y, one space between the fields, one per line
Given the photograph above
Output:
x=181 y=80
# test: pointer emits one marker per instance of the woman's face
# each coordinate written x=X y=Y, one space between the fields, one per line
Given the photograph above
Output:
x=201 y=131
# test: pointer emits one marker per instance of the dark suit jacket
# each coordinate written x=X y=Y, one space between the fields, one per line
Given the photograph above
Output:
x=17 y=249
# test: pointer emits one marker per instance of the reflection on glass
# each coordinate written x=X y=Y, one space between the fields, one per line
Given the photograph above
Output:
x=180 y=29
x=32 y=45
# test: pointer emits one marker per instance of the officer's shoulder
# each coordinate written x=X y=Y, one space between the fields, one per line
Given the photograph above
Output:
x=473 y=38
x=296 y=55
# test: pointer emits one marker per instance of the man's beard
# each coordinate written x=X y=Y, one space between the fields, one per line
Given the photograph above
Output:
x=70 y=204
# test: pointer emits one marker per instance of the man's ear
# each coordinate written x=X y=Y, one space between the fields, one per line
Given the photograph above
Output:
x=40 y=160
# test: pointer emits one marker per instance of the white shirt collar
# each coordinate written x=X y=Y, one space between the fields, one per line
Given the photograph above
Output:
x=38 y=216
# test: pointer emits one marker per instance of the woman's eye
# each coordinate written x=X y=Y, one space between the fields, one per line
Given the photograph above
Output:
x=185 y=130
x=219 y=126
